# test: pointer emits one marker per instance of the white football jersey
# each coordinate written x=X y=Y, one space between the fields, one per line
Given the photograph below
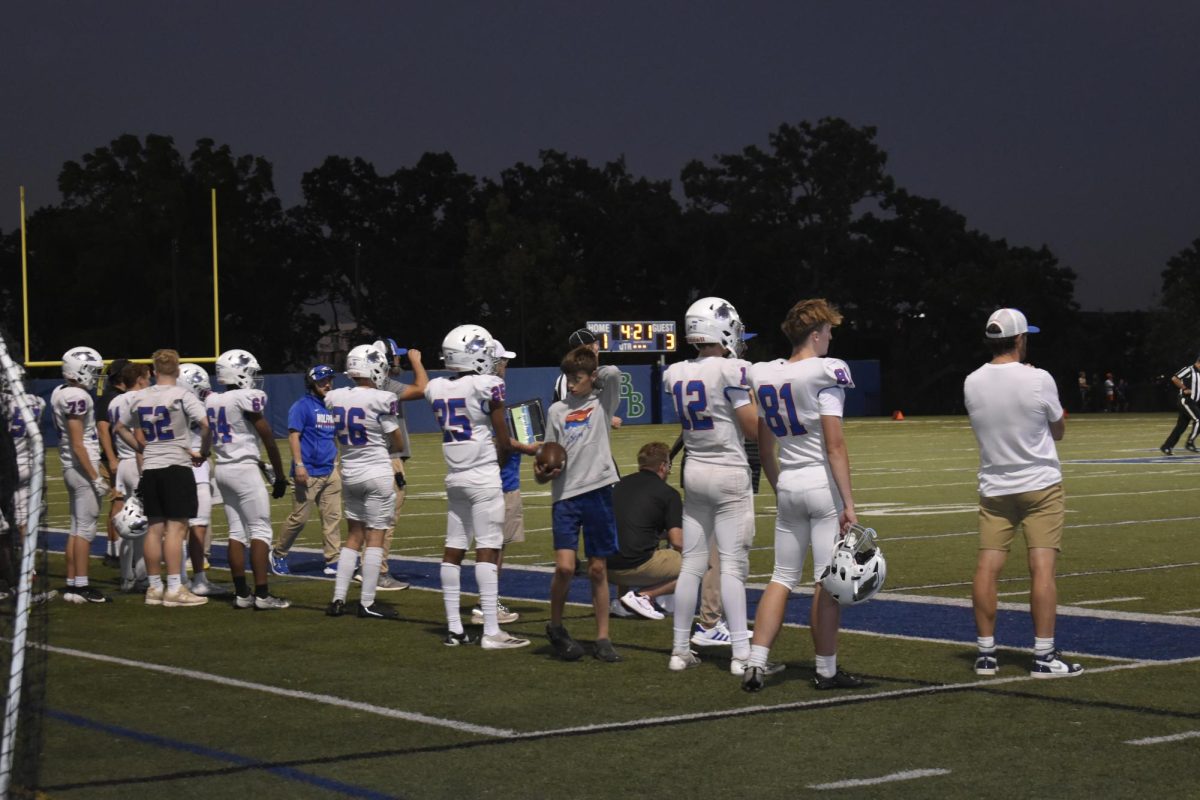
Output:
x=233 y=436
x=120 y=410
x=67 y=401
x=18 y=428
x=792 y=398
x=365 y=418
x=706 y=391
x=166 y=414
x=462 y=408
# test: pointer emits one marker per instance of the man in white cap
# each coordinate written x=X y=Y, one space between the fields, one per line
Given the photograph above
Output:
x=1016 y=416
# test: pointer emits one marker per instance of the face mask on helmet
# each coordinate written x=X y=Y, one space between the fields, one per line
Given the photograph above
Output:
x=712 y=320
x=239 y=369
x=365 y=361
x=82 y=365
x=469 y=348
x=130 y=521
x=857 y=570
x=193 y=376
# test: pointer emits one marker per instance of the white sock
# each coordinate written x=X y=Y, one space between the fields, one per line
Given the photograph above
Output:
x=347 y=562
x=826 y=665
x=452 y=596
x=70 y=581
x=758 y=655
x=81 y=583
x=372 y=561
x=173 y=582
x=112 y=547
x=488 y=579
x=687 y=594
x=733 y=599
x=1043 y=647
x=987 y=644
x=155 y=582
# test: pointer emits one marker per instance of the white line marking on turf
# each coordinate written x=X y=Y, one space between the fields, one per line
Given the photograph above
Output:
x=906 y=775
x=1012 y=594
x=1086 y=574
x=1177 y=737
x=325 y=699
x=701 y=716
x=1186 y=611
x=1106 y=600
x=1063 y=611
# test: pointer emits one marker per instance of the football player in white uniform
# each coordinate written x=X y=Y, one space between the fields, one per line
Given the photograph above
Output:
x=367 y=429
x=469 y=408
x=18 y=429
x=716 y=414
x=237 y=422
x=114 y=387
x=800 y=403
x=167 y=413
x=79 y=451
x=194 y=378
x=122 y=419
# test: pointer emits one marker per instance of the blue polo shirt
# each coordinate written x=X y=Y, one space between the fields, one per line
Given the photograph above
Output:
x=315 y=424
x=510 y=473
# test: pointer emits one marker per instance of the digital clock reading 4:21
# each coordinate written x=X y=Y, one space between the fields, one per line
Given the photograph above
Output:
x=635 y=336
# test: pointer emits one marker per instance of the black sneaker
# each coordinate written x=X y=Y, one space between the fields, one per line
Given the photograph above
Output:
x=752 y=679
x=336 y=608
x=1166 y=451
x=839 y=680
x=377 y=611
x=985 y=664
x=455 y=639
x=564 y=646
x=1191 y=447
x=604 y=651
x=92 y=595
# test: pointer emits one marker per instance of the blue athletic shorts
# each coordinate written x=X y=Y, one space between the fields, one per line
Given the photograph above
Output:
x=592 y=511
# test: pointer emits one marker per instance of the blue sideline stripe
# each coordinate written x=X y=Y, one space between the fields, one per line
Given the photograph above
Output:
x=1112 y=637
x=219 y=755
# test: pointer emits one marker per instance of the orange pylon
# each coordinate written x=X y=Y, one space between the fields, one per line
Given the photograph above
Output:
x=898 y=415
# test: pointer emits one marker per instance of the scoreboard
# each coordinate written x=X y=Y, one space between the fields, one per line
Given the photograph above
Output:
x=635 y=336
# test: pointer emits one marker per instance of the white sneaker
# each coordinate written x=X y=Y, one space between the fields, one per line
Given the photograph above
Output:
x=154 y=597
x=681 y=660
x=716 y=636
x=502 y=641
x=270 y=603
x=738 y=667
x=616 y=609
x=504 y=615
x=640 y=605
x=202 y=586
x=180 y=597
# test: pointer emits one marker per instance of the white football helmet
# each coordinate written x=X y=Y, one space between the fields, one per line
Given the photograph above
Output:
x=711 y=320
x=469 y=348
x=193 y=376
x=82 y=365
x=239 y=369
x=858 y=570
x=130 y=521
x=367 y=361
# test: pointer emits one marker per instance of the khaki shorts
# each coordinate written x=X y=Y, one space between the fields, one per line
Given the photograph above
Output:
x=1041 y=514
x=514 y=517
x=663 y=566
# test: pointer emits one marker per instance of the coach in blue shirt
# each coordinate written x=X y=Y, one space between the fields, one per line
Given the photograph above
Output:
x=314 y=470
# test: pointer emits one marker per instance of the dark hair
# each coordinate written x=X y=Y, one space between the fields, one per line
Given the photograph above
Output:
x=998 y=347
x=131 y=372
x=581 y=359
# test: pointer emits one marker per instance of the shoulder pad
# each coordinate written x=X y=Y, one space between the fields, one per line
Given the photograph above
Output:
x=839 y=372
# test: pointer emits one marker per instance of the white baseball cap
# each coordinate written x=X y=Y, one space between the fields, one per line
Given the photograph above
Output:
x=1004 y=323
x=498 y=350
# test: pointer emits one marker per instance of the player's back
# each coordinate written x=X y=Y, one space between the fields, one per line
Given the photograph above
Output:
x=462 y=407
x=363 y=418
x=792 y=396
x=19 y=427
x=120 y=410
x=165 y=413
x=68 y=401
x=234 y=438
x=706 y=392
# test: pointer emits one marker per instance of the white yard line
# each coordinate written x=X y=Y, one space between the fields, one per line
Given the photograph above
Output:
x=1106 y=601
x=1177 y=737
x=906 y=775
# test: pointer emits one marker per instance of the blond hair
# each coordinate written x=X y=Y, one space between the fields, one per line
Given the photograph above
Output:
x=808 y=316
x=166 y=362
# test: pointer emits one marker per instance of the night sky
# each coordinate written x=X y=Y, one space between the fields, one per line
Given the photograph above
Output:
x=1070 y=124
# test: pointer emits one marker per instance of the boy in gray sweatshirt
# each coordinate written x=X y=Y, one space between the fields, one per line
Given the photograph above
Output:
x=582 y=492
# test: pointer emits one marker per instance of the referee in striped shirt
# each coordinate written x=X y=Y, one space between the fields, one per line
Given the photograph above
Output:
x=1187 y=381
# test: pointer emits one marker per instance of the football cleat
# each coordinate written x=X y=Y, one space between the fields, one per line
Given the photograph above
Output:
x=455 y=639
x=91 y=594
x=838 y=680
x=502 y=641
x=752 y=679
x=1051 y=665
x=738 y=666
x=243 y=602
x=376 y=611
x=336 y=608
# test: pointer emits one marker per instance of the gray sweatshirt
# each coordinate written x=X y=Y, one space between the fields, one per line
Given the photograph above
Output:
x=581 y=425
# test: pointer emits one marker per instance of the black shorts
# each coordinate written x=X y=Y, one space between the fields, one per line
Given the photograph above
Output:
x=169 y=493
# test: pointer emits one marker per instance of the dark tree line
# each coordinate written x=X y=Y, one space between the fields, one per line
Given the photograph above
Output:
x=124 y=261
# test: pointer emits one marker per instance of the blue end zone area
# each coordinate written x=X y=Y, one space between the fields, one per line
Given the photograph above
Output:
x=1095 y=634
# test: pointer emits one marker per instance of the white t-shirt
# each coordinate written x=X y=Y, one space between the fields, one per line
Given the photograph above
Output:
x=69 y=401
x=1011 y=406
x=166 y=414
x=233 y=436
x=365 y=418
x=462 y=408
x=792 y=398
x=706 y=391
